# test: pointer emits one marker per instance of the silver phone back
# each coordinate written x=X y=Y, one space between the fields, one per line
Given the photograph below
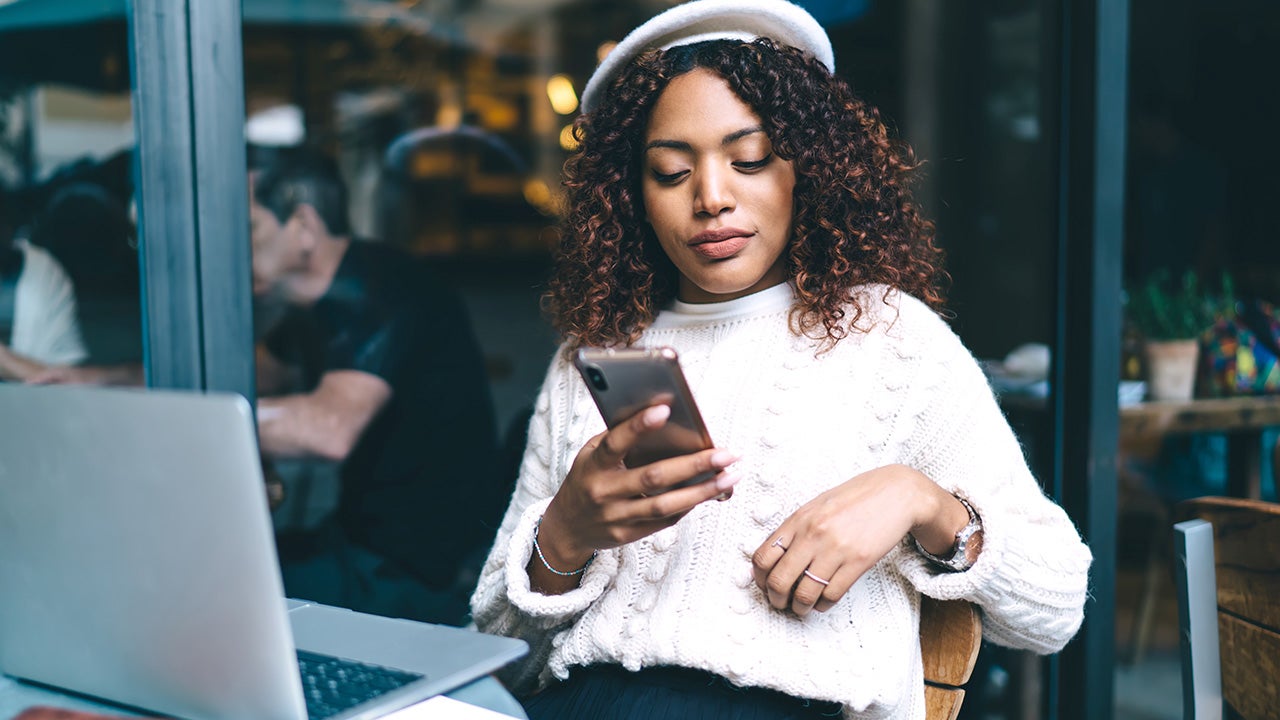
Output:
x=636 y=378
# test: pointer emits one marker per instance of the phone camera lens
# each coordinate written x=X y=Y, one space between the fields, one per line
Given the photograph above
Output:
x=597 y=378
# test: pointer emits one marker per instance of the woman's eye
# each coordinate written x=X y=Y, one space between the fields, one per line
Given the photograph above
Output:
x=669 y=178
x=754 y=164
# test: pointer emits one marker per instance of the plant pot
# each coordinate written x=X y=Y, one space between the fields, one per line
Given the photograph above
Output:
x=1171 y=368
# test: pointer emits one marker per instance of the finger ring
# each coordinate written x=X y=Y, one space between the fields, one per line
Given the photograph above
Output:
x=816 y=579
x=778 y=543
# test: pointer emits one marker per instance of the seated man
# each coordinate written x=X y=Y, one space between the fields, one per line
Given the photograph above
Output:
x=393 y=388
x=38 y=319
x=78 y=321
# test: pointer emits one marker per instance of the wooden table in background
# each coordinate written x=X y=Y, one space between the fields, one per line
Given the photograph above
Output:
x=1242 y=419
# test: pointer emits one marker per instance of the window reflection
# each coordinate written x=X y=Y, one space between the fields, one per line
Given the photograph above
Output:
x=70 y=294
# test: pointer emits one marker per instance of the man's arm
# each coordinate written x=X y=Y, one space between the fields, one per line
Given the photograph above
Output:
x=326 y=422
x=16 y=367
x=122 y=374
x=20 y=368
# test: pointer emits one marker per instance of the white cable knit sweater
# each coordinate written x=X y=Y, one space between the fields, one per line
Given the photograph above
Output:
x=905 y=392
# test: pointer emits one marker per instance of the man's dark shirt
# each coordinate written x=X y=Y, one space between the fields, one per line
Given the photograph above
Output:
x=420 y=486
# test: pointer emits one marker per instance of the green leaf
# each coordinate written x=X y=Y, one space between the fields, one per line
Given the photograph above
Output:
x=1162 y=309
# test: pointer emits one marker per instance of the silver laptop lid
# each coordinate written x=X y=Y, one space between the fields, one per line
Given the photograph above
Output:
x=136 y=553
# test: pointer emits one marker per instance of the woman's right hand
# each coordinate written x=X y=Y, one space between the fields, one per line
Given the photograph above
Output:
x=603 y=504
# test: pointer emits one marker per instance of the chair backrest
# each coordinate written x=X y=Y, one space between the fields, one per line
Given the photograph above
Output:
x=950 y=635
x=1227 y=569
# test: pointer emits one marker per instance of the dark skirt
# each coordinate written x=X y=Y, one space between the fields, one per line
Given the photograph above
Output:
x=610 y=692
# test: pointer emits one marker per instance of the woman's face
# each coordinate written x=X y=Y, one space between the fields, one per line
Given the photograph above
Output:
x=717 y=197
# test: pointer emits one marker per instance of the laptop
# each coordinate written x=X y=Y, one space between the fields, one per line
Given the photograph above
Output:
x=138 y=565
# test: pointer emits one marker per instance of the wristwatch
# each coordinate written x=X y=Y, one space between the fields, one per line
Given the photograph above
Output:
x=959 y=560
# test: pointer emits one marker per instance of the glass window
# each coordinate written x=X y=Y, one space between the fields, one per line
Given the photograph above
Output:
x=69 y=283
x=1200 y=167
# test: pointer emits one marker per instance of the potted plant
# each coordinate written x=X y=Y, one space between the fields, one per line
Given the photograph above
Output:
x=1170 y=316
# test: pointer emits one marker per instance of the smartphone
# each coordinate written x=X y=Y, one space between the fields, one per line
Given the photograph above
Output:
x=625 y=381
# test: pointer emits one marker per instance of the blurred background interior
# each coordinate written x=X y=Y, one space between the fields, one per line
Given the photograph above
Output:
x=450 y=122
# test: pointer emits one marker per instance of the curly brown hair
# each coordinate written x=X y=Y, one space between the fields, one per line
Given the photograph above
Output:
x=854 y=221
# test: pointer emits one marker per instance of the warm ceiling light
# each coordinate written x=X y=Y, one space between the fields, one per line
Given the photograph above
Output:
x=537 y=194
x=449 y=115
x=567 y=141
x=605 y=48
x=564 y=99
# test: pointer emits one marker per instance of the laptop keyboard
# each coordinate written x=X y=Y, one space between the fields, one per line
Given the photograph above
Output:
x=332 y=684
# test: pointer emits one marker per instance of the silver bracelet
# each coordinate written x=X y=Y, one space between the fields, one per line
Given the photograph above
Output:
x=538 y=548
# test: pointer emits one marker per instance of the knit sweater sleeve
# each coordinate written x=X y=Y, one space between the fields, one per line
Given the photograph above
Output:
x=1031 y=579
x=504 y=603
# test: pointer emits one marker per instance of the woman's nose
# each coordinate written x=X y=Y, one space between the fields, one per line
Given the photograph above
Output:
x=712 y=194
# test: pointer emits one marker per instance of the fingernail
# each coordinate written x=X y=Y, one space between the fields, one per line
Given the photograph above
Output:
x=726 y=481
x=723 y=459
x=656 y=415
x=724 y=496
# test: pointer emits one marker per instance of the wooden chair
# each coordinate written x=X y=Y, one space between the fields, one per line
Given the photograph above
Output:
x=950 y=635
x=1227 y=569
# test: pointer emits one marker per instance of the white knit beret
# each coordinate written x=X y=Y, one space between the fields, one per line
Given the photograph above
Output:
x=702 y=20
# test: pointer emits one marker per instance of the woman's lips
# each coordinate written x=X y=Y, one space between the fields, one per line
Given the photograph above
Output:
x=720 y=243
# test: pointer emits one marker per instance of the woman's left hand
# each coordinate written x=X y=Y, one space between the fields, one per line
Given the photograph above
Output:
x=818 y=553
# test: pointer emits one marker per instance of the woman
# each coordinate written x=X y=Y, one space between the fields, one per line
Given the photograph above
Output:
x=734 y=200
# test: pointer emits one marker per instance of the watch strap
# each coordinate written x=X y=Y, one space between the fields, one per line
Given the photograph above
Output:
x=958 y=561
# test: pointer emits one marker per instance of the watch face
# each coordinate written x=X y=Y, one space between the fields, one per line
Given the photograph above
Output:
x=958 y=560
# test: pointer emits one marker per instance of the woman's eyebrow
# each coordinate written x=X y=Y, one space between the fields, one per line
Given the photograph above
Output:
x=738 y=135
x=673 y=144
x=684 y=146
